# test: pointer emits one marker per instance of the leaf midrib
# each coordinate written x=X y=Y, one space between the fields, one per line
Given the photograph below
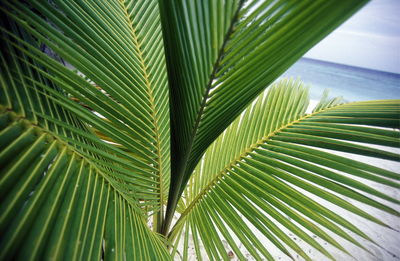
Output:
x=183 y=170
x=152 y=105
x=216 y=66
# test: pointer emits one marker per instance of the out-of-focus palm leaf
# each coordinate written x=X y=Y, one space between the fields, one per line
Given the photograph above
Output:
x=260 y=166
x=222 y=54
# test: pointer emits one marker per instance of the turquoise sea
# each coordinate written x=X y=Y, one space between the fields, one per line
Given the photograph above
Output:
x=353 y=83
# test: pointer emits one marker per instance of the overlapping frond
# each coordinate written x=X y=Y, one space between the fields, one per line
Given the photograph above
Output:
x=118 y=46
x=81 y=160
x=222 y=54
x=266 y=164
x=56 y=204
x=85 y=130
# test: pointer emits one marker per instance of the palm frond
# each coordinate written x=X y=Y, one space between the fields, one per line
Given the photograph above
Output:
x=274 y=156
x=65 y=191
x=118 y=46
x=57 y=204
x=85 y=129
x=222 y=54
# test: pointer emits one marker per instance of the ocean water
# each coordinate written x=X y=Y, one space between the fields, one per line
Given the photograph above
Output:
x=352 y=83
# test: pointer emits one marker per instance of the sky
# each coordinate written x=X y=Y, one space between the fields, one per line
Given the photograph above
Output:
x=369 y=39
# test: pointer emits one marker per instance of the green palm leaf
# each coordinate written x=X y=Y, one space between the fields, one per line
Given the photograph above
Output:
x=273 y=156
x=62 y=186
x=100 y=128
x=222 y=54
x=123 y=54
x=56 y=203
